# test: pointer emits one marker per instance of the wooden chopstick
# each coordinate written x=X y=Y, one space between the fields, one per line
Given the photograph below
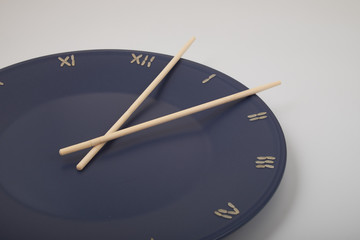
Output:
x=167 y=118
x=90 y=155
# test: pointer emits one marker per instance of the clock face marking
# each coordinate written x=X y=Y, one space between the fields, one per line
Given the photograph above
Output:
x=227 y=214
x=257 y=116
x=151 y=60
x=144 y=61
x=64 y=61
x=2 y=84
x=209 y=78
x=265 y=162
x=266 y=157
x=137 y=60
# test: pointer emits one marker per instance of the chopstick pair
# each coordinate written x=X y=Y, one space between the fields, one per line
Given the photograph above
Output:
x=99 y=142
x=91 y=154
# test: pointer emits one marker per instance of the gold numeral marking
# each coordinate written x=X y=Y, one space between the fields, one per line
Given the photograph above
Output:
x=2 y=84
x=151 y=60
x=143 y=62
x=257 y=116
x=226 y=213
x=265 y=162
x=136 y=58
x=209 y=78
x=72 y=60
x=64 y=61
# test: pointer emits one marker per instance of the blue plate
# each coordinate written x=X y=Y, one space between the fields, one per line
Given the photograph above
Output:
x=199 y=177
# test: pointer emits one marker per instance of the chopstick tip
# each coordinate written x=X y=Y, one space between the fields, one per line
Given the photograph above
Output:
x=276 y=83
x=79 y=167
x=61 y=152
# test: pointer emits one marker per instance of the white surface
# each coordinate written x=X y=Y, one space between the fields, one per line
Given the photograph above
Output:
x=313 y=46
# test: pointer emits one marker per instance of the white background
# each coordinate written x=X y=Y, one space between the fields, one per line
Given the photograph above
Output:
x=312 y=46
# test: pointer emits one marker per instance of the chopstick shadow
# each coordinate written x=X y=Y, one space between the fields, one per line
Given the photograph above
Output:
x=141 y=111
x=180 y=129
x=187 y=127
